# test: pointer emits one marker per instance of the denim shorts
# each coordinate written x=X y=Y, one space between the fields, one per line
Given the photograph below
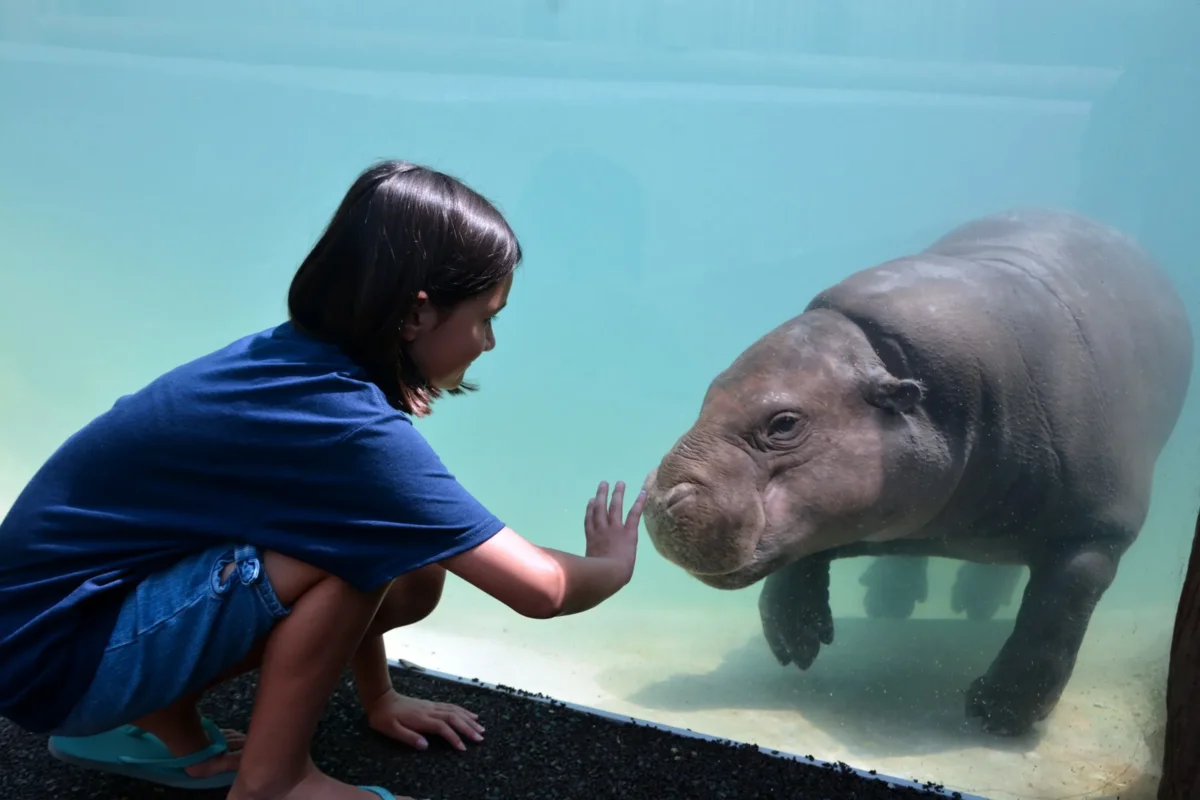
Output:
x=177 y=631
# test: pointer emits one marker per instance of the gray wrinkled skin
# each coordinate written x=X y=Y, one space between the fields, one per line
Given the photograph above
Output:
x=999 y=398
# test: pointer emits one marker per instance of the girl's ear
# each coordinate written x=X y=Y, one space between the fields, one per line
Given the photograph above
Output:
x=421 y=318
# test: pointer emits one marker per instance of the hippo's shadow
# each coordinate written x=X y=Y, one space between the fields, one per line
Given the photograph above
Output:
x=883 y=688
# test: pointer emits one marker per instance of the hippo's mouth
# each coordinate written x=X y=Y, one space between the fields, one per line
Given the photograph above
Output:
x=759 y=567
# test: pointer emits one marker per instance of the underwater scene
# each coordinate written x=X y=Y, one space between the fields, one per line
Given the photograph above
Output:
x=935 y=527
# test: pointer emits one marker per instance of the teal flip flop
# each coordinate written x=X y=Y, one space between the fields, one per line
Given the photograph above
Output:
x=379 y=790
x=135 y=753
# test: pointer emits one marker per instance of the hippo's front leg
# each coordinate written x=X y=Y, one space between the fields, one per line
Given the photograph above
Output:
x=794 y=607
x=1026 y=679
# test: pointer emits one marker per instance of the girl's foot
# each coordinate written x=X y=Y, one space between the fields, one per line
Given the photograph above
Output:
x=179 y=728
x=235 y=739
x=315 y=785
x=225 y=762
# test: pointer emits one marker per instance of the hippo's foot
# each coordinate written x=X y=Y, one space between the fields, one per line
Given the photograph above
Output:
x=981 y=589
x=895 y=584
x=1025 y=681
x=1010 y=699
x=794 y=607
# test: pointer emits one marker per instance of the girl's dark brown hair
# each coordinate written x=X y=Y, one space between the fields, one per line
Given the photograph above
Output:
x=400 y=229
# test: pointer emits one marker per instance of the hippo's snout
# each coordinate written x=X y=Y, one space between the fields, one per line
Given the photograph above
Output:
x=701 y=529
x=678 y=525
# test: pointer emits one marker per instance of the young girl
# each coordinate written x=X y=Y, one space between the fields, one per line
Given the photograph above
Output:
x=270 y=505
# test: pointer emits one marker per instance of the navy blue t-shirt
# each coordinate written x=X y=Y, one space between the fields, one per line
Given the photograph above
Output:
x=278 y=440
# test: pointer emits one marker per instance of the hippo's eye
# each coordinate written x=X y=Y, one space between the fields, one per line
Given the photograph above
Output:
x=784 y=426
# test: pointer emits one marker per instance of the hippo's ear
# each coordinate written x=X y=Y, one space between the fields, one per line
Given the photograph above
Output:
x=884 y=390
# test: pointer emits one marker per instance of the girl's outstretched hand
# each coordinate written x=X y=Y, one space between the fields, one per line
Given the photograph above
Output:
x=608 y=536
x=406 y=718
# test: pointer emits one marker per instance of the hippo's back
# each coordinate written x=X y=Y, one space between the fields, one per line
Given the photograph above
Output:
x=1128 y=314
x=1056 y=355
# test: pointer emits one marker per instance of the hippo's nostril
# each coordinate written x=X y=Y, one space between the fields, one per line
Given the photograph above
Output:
x=677 y=494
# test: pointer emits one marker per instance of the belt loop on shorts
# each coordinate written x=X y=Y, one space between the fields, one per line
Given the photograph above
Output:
x=249 y=566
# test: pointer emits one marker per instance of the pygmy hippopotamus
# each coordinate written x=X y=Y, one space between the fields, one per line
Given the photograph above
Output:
x=1000 y=398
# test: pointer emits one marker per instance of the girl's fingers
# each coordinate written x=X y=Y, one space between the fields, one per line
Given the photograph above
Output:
x=618 y=502
x=408 y=737
x=635 y=510
x=465 y=726
x=599 y=503
x=468 y=718
x=446 y=732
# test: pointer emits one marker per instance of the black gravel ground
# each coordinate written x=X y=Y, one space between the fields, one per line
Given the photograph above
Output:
x=532 y=749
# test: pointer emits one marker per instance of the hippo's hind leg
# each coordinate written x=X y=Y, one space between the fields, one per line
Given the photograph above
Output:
x=795 y=613
x=981 y=589
x=1027 y=677
x=895 y=584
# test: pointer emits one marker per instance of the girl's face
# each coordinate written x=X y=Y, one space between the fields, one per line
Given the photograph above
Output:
x=444 y=343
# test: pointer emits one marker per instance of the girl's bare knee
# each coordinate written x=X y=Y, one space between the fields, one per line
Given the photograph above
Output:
x=411 y=598
x=423 y=590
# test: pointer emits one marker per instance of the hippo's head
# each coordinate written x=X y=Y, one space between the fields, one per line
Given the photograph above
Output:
x=806 y=442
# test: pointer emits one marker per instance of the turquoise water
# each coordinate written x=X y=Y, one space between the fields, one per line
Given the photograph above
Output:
x=683 y=177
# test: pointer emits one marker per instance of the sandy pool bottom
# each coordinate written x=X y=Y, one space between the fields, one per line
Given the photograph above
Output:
x=885 y=695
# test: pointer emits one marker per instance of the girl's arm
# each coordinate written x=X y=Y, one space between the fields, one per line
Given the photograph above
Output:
x=542 y=582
